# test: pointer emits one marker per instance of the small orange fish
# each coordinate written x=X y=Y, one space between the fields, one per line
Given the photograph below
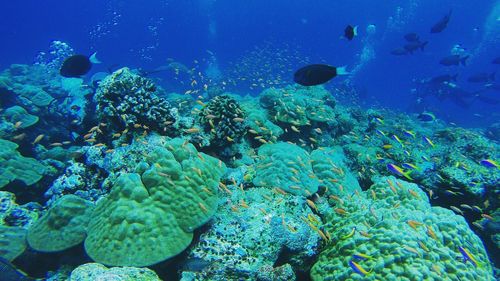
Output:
x=431 y=232
x=341 y=211
x=414 y=224
x=192 y=130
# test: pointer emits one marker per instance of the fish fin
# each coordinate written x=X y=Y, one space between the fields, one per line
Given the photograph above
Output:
x=423 y=45
x=463 y=60
x=407 y=175
x=355 y=30
x=93 y=59
x=342 y=70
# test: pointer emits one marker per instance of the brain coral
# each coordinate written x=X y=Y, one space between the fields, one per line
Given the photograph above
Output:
x=402 y=236
x=150 y=215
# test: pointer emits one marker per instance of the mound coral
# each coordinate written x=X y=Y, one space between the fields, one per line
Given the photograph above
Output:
x=12 y=242
x=329 y=166
x=287 y=167
x=63 y=226
x=391 y=232
x=299 y=106
x=95 y=271
x=150 y=215
x=17 y=114
x=13 y=166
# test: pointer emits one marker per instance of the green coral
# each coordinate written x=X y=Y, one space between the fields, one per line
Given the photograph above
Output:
x=285 y=166
x=259 y=125
x=95 y=271
x=12 y=242
x=223 y=119
x=16 y=114
x=299 y=106
x=13 y=166
x=63 y=226
x=330 y=168
x=404 y=237
x=149 y=216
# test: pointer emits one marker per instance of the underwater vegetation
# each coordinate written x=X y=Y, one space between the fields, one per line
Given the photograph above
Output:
x=127 y=181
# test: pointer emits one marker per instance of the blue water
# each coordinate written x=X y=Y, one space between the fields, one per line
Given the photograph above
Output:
x=136 y=34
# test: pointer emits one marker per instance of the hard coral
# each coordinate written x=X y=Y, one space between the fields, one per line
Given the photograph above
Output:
x=149 y=216
x=126 y=100
x=223 y=120
x=392 y=232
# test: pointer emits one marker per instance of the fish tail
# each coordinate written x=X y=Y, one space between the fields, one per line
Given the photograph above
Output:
x=463 y=60
x=407 y=175
x=93 y=58
x=423 y=45
x=355 y=30
x=342 y=70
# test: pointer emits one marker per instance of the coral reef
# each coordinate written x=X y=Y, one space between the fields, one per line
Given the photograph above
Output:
x=95 y=271
x=223 y=121
x=251 y=231
x=12 y=242
x=285 y=167
x=369 y=231
x=175 y=190
x=127 y=101
x=16 y=167
x=299 y=106
x=63 y=226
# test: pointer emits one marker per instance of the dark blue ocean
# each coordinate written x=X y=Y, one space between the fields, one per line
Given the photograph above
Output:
x=139 y=34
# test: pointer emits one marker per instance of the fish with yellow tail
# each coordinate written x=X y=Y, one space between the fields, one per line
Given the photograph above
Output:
x=468 y=257
x=399 y=171
x=358 y=268
x=489 y=163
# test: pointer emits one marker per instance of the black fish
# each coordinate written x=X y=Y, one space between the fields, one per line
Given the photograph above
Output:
x=441 y=24
x=411 y=37
x=443 y=78
x=77 y=65
x=399 y=52
x=482 y=77
x=496 y=61
x=9 y=272
x=453 y=60
x=316 y=74
x=415 y=45
x=350 y=32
